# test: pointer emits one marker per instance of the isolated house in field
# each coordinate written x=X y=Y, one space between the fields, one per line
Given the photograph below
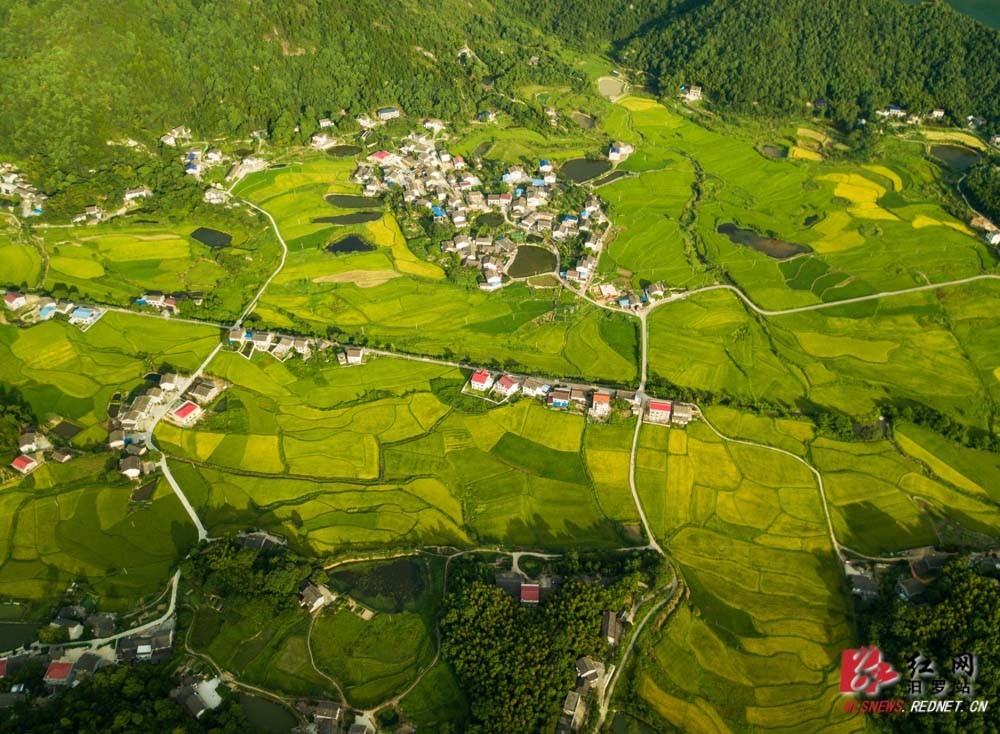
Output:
x=355 y=355
x=611 y=628
x=692 y=93
x=61 y=456
x=658 y=411
x=14 y=300
x=619 y=151
x=506 y=386
x=600 y=405
x=530 y=594
x=387 y=113
x=481 y=380
x=59 y=673
x=131 y=467
x=24 y=464
x=681 y=415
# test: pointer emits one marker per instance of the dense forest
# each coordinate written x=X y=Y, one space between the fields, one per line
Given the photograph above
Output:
x=962 y=616
x=983 y=185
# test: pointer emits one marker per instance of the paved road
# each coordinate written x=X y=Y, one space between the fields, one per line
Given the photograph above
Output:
x=284 y=256
x=175 y=583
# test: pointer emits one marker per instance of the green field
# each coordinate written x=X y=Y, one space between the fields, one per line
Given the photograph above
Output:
x=759 y=645
x=388 y=453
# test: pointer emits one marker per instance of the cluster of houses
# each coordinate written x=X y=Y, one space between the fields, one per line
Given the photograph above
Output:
x=246 y=166
x=900 y=115
x=282 y=346
x=13 y=185
x=597 y=402
x=433 y=179
x=33 y=447
x=629 y=300
x=197 y=159
x=169 y=303
x=31 y=308
x=865 y=578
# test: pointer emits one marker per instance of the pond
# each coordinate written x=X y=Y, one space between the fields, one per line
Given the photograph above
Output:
x=584 y=169
x=610 y=178
x=343 y=151
x=388 y=586
x=15 y=634
x=583 y=120
x=212 y=237
x=351 y=243
x=955 y=156
x=490 y=219
x=778 y=249
x=352 y=218
x=774 y=152
x=267 y=715
x=531 y=260
x=352 y=201
x=811 y=220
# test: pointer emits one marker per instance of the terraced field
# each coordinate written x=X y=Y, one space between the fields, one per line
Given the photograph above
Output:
x=760 y=643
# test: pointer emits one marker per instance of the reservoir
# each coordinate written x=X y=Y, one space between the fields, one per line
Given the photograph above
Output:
x=778 y=249
x=955 y=156
x=351 y=243
x=212 y=237
x=531 y=260
x=579 y=170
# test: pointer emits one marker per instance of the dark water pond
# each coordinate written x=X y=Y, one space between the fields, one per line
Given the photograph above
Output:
x=584 y=169
x=212 y=237
x=351 y=201
x=351 y=243
x=532 y=261
x=778 y=249
x=775 y=152
x=955 y=156
x=491 y=219
x=352 y=218
x=267 y=715
x=343 y=151
x=15 y=634
x=389 y=586
x=810 y=220
x=585 y=121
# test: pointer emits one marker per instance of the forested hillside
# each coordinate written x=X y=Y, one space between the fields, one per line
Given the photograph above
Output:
x=79 y=74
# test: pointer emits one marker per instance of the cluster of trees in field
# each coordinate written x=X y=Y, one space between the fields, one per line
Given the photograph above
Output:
x=117 y=699
x=267 y=581
x=983 y=186
x=963 y=616
x=960 y=433
x=15 y=415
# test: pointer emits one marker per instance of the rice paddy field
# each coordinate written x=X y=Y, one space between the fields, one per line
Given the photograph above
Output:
x=387 y=453
x=758 y=647
x=73 y=522
x=867 y=228
x=851 y=359
x=391 y=296
x=22 y=264
x=116 y=263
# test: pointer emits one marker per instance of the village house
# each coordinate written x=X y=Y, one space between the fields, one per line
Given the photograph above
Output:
x=936 y=114
x=892 y=112
x=186 y=413
x=169 y=381
x=578 y=395
x=262 y=340
x=481 y=380
x=681 y=415
x=619 y=151
x=534 y=388
x=611 y=628
x=73 y=627
x=385 y=114
x=355 y=355
x=600 y=406
x=322 y=141
x=909 y=587
x=360 y=728
x=61 y=456
x=995 y=141
x=692 y=93
x=658 y=411
x=101 y=624
x=205 y=391
x=571 y=704
x=188 y=697
x=325 y=122
x=28 y=443
x=137 y=192
x=326 y=717
x=559 y=398
x=588 y=670
x=24 y=464
x=214 y=195
x=864 y=586
x=131 y=467
x=530 y=594
x=14 y=300
x=311 y=597
x=654 y=290
x=59 y=673
x=506 y=386
x=116 y=439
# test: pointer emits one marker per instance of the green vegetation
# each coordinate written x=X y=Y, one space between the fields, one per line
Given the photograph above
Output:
x=760 y=640
x=983 y=183
x=389 y=454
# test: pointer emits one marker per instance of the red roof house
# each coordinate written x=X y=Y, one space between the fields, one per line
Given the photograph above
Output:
x=600 y=404
x=529 y=593
x=507 y=385
x=59 y=673
x=659 y=411
x=24 y=464
x=187 y=412
x=481 y=380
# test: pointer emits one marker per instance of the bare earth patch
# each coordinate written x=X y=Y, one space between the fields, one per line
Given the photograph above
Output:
x=360 y=278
